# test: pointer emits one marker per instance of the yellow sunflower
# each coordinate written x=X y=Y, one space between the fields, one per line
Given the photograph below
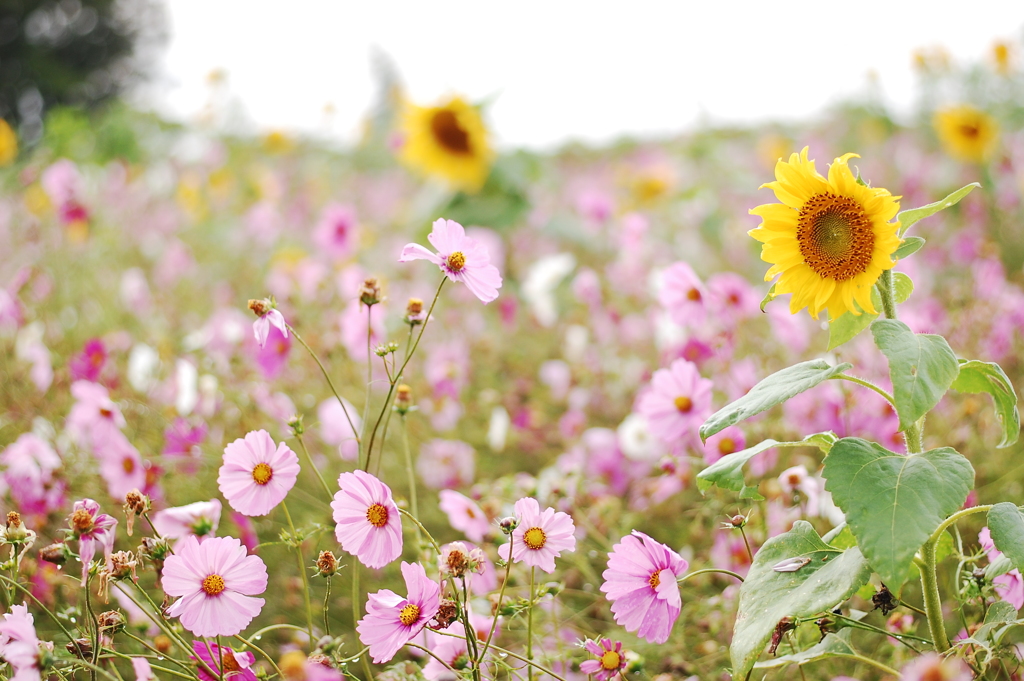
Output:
x=829 y=239
x=967 y=134
x=448 y=141
x=8 y=144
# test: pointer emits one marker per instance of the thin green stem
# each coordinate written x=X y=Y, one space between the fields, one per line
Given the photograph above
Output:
x=268 y=658
x=309 y=460
x=709 y=571
x=412 y=478
x=94 y=628
x=529 y=621
x=868 y=384
x=330 y=383
x=497 y=609
x=468 y=627
x=160 y=656
x=868 y=661
x=962 y=513
x=327 y=600
x=431 y=653
x=369 y=371
x=747 y=544
x=162 y=624
x=95 y=669
x=422 y=529
x=356 y=600
x=302 y=573
x=52 y=616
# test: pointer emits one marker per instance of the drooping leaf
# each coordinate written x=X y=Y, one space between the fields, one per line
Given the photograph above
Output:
x=833 y=645
x=910 y=246
x=921 y=365
x=849 y=326
x=771 y=391
x=988 y=377
x=1006 y=524
x=893 y=503
x=768 y=596
x=909 y=217
x=727 y=472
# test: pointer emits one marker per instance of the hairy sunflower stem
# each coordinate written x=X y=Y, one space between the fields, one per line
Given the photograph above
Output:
x=932 y=601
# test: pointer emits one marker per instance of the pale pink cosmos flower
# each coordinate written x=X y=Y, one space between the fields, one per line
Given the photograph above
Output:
x=610 y=659
x=933 y=667
x=30 y=464
x=335 y=428
x=465 y=515
x=727 y=441
x=93 y=413
x=453 y=650
x=392 y=621
x=368 y=523
x=336 y=235
x=19 y=645
x=540 y=536
x=217 y=581
x=92 y=529
x=199 y=519
x=446 y=463
x=266 y=316
x=1009 y=586
x=677 y=403
x=237 y=666
x=255 y=476
x=641 y=582
x=460 y=257
x=143 y=670
x=683 y=295
x=121 y=465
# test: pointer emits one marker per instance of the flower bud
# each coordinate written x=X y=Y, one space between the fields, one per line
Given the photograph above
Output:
x=154 y=549
x=80 y=648
x=261 y=307
x=295 y=423
x=414 y=314
x=57 y=553
x=326 y=564
x=509 y=524
x=403 y=399
x=369 y=293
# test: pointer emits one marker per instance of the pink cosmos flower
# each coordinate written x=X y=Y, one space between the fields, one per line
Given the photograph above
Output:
x=683 y=295
x=368 y=524
x=677 y=402
x=216 y=581
x=143 y=670
x=256 y=477
x=610 y=659
x=460 y=257
x=198 y=519
x=934 y=667
x=392 y=621
x=183 y=439
x=93 y=413
x=641 y=584
x=267 y=316
x=30 y=464
x=452 y=650
x=732 y=296
x=121 y=465
x=336 y=235
x=92 y=529
x=237 y=666
x=446 y=463
x=272 y=356
x=723 y=443
x=540 y=537
x=335 y=428
x=89 y=364
x=1009 y=586
x=465 y=515
x=19 y=645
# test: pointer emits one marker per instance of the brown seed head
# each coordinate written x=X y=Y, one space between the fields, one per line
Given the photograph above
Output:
x=326 y=564
x=260 y=307
x=370 y=293
x=13 y=520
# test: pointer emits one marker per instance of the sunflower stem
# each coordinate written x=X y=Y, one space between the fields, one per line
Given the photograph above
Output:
x=887 y=291
x=932 y=600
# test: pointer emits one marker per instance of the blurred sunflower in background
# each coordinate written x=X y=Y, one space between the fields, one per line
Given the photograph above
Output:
x=449 y=141
x=829 y=239
x=8 y=144
x=967 y=134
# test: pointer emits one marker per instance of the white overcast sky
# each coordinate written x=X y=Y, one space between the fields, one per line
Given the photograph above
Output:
x=569 y=69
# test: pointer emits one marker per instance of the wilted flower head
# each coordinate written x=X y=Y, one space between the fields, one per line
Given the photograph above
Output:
x=92 y=529
x=268 y=315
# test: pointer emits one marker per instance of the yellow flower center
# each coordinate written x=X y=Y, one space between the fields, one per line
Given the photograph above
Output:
x=684 y=404
x=835 y=236
x=81 y=520
x=535 y=538
x=970 y=131
x=262 y=473
x=456 y=261
x=727 y=445
x=693 y=294
x=448 y=133
x=213 y=584
x=377 y=515
x=611 y=660
x=231 y=665
x=409 y=614
x=655 y=579
x=128 y=465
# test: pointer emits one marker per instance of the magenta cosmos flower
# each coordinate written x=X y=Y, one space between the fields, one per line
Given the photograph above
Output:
x=256 y=476
x=216 y=581
x=540 y=537
x=610 y=659
x=392 y=621
x=641 y=584
x=93 y=530
x=368 y=524
x=237 y=666
x=460 y=257
x=677 y=402
x=465 y=515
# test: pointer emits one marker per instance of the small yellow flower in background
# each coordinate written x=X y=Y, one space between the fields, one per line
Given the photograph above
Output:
x=36 y=200
x=1003 y=57
x=829 y=239
x=449 y=141
x=967 y=134
x=8 y=144
x=277 y=142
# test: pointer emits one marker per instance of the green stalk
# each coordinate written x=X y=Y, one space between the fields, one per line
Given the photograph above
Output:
x=309 y=460
x=529 y=621
x=412 y=479
x=932 y=601
x=302 y=572
x=329 y=381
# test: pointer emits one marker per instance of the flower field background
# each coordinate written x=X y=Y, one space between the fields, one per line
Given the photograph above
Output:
x=557 y=359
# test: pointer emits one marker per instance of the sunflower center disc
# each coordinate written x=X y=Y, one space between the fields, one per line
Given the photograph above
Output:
x=448 y=133
x=835 y=236
x=534 y=538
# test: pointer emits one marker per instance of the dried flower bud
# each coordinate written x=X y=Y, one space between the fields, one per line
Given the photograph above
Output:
x=403 y=398
x=447 y=613
x=80 y=648
x=369 y=293
x=57 y=553
x=326 y=564
x=454 y=559
x=135 y=503
x=122 y=565
x=414 y=314
x=15 y=532
x=154 y=549
x=111 y=622
x=509 y=524
x=884 y=600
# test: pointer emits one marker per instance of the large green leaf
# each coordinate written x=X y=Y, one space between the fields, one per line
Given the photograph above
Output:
x=908 y=217
x=771 y=391
x=921 y=365
x=988 y=377
x=767 y=596
x=833 y=645
x=893 y=503
x=849 y=325
x=1006 y=524
x=727 y=472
